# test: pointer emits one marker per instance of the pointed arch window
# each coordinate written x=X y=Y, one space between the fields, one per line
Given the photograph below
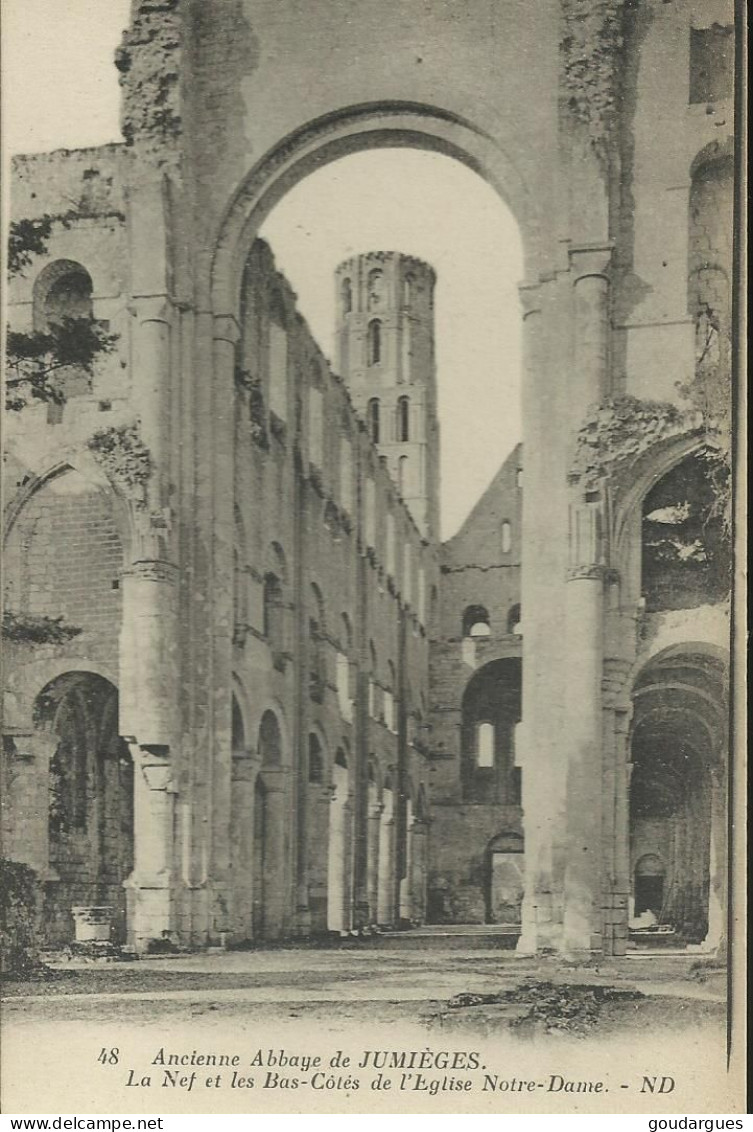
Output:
x=408 y=290
x=374 y=342
x=403 y=419
x=372 y=418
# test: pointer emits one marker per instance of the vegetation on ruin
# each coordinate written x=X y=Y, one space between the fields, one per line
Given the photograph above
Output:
x=591 y=48
x=20 y=912
x=36 y=629
x=121 y=452
x=37 y=361
x=620 y=430
x=252 y=386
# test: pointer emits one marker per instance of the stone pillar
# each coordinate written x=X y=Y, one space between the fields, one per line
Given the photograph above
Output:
x=616 y=878
x=583 y=731
x=276 y=843
x=716 y=936
x=148 y=707
x=151 y=393
x=26 y=793
x=385 y=895
x=418 y=879
x=319 y=858
x=406 y=883
x=225 y=337
x=541 y=786
x=589 y=264
x=149 y=888
x=245 y=768
x=375 y=847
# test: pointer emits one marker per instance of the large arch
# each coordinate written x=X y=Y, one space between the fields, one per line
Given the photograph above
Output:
x=90 y=792
x=271 y=833
x=350 y=130
x=678 y=795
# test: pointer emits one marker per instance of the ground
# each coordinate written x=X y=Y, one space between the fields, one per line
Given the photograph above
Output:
x=555 y=1021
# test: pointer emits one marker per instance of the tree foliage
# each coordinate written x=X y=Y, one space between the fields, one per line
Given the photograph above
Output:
x=38 y=361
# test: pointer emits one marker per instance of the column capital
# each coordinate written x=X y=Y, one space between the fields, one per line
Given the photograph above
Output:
x=592 y=572
x=152 y=308
x=226 y=329
x=589 y=260
x=274 y=777
x=155 y=765
x=153 y=570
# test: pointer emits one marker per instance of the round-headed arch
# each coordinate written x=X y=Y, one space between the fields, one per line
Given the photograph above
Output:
x=351 y=130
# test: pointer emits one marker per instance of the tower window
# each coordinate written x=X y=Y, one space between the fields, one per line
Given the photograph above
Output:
x=375 y=342
x=375 y=288
x=407 y=290
x=403 y=419
x=402 y=474
x=346 y=295
x=485 y=745
x=372 y=419
x=506 y=537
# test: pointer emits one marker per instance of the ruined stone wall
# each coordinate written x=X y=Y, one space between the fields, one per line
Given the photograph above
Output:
x=301 y=521
x=663 y=135
x=477 y=569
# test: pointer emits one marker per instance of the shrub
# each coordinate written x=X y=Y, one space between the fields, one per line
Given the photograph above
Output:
x=20 y=912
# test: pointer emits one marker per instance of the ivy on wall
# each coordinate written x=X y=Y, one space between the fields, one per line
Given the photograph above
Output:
x=620 y=430
x=591 y=47
x=121 y=452
x=35 y=629
x=257 y=414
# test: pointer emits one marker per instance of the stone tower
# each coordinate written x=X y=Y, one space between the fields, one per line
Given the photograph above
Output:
x=385 y=331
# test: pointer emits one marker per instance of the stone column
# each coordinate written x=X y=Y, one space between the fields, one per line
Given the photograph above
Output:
x=385 y=894
x=616 y=875
x=583 y=731
x=319 y=859
x=152 y=386
x=540 y=789
x=418 y=879
x=716 y=936
x=225 y=337
x=26 y=791
x=149 y=888
x=276 y=845
x=245 y=769
x=372 y=880
x=589 y=265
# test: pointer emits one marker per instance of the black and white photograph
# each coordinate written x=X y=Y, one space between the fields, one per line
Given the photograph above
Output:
x=373 y=639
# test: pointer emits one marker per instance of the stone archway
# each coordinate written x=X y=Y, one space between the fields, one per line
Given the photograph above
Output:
x=351 y=130
x=90 y=821
x=270 y=835
x=677 y=801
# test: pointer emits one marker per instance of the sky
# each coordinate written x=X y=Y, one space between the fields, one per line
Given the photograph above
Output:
x=60 y=89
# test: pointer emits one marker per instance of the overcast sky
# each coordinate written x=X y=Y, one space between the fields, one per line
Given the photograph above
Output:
x=61 y=90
